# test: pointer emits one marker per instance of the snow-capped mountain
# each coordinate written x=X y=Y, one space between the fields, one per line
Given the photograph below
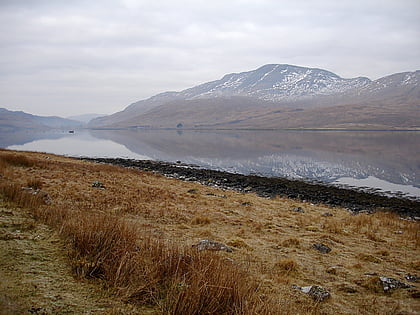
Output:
x=276 y=82
x=284 y=89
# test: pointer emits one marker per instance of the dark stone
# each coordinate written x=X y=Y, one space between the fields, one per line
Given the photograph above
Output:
x=412 y=278
x=389 y=284
x=322 y=248
x=98 y=184
x=212 y=245
x=318 y=293
x=298 y=209
x=327 y=214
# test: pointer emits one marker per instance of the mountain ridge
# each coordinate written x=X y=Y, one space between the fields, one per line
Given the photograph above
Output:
x=15 y=120
x=279 y=90
x=291 y=87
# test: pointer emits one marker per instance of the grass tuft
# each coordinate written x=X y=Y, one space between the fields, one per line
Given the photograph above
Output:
x=12 y=192
x=16 y=160
x=200 y=220
x=286 y=266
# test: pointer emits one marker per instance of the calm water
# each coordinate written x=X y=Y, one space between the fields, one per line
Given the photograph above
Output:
x=389 y=161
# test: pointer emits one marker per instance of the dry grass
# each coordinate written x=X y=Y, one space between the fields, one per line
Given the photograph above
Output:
x=178 y=280
x=136 y=235
x=13 y=159
x=286 y=266
x=200 y=220
x=291 y=242
x=13 y=192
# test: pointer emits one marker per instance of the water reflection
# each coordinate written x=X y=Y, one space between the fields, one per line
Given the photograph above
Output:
x=354 y=158
x=80 y=144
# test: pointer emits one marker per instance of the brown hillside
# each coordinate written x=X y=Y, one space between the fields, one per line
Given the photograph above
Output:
x=133 y=231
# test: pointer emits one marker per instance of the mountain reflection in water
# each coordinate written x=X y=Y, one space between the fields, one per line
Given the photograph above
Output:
x=345 y=157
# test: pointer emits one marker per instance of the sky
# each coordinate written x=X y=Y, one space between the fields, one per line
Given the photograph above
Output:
x=61 y=57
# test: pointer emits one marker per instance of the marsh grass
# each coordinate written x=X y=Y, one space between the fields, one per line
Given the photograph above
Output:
x=12 y=159
x=142 y=268
x=12 y=192
x=136 y=236
x=147 y=270
x=286 y=266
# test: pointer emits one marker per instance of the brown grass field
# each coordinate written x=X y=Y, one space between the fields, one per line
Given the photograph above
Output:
x=133 y=240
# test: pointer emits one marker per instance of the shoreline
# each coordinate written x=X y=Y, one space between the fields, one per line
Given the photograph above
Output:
x=396 y=129
x=351 y=199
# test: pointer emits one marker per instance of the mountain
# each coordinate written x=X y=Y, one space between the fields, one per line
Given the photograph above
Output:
x=85 y=118
x=280 y=96
x=275 y=83
x=15 y=120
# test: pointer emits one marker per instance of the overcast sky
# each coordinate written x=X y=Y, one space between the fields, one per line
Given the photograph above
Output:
x=62 y=57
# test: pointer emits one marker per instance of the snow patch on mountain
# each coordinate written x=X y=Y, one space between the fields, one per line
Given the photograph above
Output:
x=276 y=83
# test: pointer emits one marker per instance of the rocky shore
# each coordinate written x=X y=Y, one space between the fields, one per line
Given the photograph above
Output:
x=351 y=199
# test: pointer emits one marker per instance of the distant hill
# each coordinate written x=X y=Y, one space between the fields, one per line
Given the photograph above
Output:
x=280 y=96
x=85 y=118
x=17 y=120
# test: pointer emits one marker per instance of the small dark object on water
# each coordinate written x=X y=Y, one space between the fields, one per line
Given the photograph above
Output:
x=71 y=131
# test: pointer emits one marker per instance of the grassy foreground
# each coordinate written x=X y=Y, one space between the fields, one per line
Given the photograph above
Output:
x=134 y=237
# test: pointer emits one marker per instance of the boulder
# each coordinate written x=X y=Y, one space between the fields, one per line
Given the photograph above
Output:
x=412 y=278
x=389 y=284
x=321 y=247
x=98 y=184
x=298 y=209
x=212 y=245
x=316 y=292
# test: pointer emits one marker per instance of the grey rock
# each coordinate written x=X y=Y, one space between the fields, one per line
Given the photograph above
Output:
x=318 y=293
x=298 y=209
x=412 y=278
x=212 y=245
x=389 y=284
x=321 y=247
x=98 y=184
